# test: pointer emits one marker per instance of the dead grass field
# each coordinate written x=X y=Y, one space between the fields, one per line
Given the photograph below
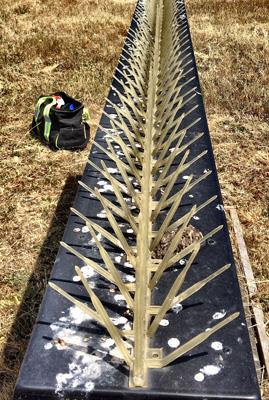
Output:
x=231 y=42
x=74 y=46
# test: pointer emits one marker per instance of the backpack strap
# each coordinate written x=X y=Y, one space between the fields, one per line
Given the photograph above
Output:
x=39 y=104
x=46 y=112
x=85 y=115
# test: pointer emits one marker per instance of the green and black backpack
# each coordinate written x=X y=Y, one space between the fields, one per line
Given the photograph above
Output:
x=61 y=125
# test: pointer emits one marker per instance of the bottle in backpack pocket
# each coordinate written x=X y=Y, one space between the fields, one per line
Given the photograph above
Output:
x=59 y=102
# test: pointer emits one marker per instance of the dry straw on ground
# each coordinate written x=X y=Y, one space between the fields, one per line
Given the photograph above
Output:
x=232 y=51
x=74 y=46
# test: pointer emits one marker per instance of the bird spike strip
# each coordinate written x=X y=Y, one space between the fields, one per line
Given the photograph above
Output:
x=149 y=127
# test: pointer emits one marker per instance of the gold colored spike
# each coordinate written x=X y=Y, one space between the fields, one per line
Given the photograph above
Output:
x=123 y=188
x=130 y=189
x=170 y=214
x=180 y=221
x=101 y=271
x=128 y=215
x=123 y=212
x=99 y=229
x=198 y=180
x=129 y=159
x=125 y=112
x=127 y=100
x=175 y=134
x=133 y=150
x=199 y=285
x=171 y=249
x=169 y=186
x=172 y=92
x=188 y=249
x=184 y=167
x=136 y=74
x=111 y=267
x=115 y=227
x=87 y=310
x=113 y=157
x=183 y=253
x=113 y=331
x=170 y=112
x=170 y=159
x=175 y=153
x=118 y=211
x=163 y=147
x=123 y=126
x=197 y=340
x=172 y=293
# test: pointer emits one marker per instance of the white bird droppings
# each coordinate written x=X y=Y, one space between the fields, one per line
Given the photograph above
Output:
x=210 y=370
x=119 y=320
x=87 y=271
x=85 y=229
x=219 y=315
x=173 y=342
x=76 y=230
x=130 y=231
x=119 y=297
x=102 y=214
x=106 y=188
x=83 y=371
x=99 y=237
x=127 y=327
x=177 y=308
x=77 y=316
x=164 y=322
x=128 y=265
x=217 y=346
x=130 y=278
x=113 y=170
x=108 y=343
x=199 y=377
x=89 y=386
x=48 y=346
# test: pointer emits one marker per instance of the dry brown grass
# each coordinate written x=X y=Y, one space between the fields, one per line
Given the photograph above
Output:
x=84 y=37
x=231 y=43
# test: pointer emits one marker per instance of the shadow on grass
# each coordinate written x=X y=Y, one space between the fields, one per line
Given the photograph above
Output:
x=19 y=335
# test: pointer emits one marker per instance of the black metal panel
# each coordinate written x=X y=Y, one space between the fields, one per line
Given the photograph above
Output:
x=220 y=368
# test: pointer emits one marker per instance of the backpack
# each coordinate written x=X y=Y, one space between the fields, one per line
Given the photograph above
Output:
x=61 y=122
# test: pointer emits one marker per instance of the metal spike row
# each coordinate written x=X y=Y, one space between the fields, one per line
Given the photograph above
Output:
x=151 y=114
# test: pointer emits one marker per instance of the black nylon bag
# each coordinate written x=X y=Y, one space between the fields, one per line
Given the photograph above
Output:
x=61 y=128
